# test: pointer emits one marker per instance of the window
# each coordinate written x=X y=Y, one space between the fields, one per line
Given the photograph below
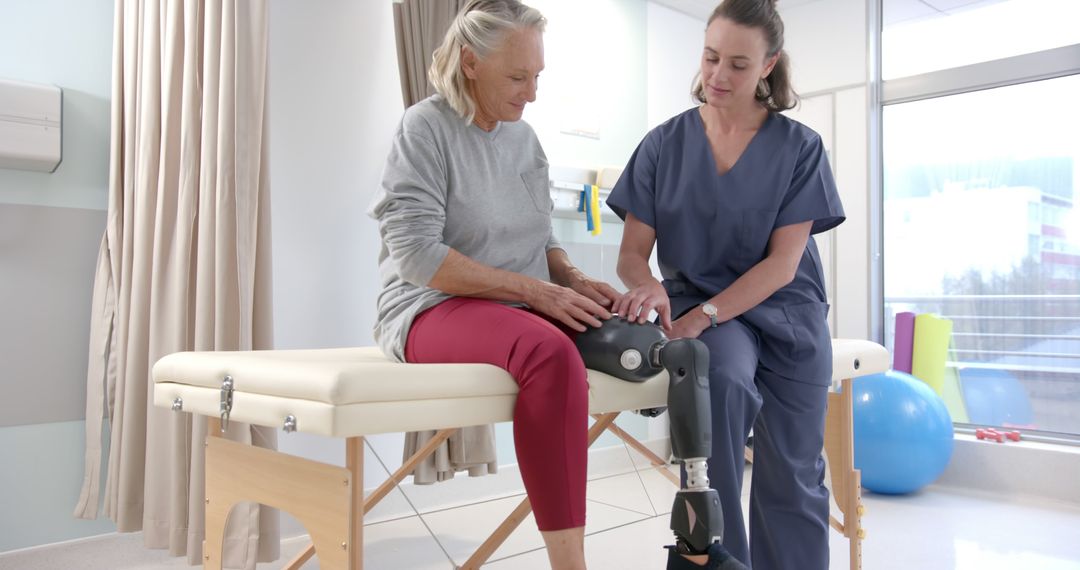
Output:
x=924 y=36
x=980 y=220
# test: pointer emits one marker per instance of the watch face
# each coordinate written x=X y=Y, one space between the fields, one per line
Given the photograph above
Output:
x=708 y=309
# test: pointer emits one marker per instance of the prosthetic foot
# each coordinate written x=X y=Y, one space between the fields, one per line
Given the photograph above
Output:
x=636 y=352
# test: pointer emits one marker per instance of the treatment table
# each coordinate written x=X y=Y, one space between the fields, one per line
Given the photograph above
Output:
x=351 y=393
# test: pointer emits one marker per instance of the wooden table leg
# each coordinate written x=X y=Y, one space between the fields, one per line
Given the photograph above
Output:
x=846 y=480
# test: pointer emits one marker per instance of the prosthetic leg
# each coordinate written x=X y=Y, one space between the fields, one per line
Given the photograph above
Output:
x=636 y=352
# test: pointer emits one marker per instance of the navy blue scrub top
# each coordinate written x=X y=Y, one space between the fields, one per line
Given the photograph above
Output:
x=712 y=228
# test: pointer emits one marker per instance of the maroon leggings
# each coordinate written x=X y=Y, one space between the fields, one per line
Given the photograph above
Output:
x=551 y=413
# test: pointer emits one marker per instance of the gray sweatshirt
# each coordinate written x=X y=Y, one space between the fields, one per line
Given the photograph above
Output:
x=449 y=184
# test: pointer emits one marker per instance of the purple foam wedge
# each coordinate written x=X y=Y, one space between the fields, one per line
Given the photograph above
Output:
x=903 y=341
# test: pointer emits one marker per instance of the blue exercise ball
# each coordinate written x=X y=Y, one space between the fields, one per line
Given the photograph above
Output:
x=995 y=398
x=903 y=432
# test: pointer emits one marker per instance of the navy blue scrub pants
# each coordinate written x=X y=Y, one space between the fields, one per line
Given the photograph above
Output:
x=789 y=504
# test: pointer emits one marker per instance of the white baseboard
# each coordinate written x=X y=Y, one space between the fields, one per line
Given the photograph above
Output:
x=75 y=542
x=1014 y=469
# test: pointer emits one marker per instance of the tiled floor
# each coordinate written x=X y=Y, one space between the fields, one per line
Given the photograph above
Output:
x=938 y=528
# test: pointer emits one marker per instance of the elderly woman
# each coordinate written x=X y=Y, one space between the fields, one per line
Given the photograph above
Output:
x=470 y=270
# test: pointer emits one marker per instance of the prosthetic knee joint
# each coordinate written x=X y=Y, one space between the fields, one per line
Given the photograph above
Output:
x=636 y=352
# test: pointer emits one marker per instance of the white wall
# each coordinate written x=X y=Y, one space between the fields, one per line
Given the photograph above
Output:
x=832 y=67
x=335 y=101
x=853 y=263
x=675 y=42
x=594 y=81
x=827 y=40
x=50 y=227
x=67 y=43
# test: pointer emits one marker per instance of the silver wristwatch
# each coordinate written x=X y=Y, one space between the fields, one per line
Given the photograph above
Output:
x=710 y=311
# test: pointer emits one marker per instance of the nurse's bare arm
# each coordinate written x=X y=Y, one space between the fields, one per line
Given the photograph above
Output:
x=785 y=250
x=463 y=276
x=645 y=291
x=564 y=273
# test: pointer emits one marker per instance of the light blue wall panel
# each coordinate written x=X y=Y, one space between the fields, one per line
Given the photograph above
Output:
x=39 y=485
x=51 y=225
x=67 y=43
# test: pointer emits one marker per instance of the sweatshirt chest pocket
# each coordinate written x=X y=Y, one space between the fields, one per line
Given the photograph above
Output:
x=535 y=184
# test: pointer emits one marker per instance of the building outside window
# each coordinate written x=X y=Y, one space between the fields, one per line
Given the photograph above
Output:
x=980 y=178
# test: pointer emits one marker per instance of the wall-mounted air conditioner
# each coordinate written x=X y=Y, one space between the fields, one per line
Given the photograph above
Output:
x=30 y=126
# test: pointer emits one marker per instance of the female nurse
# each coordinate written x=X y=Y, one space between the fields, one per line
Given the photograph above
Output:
x=730 y=193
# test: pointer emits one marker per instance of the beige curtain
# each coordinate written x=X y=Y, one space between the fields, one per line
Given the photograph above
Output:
x=184 y=262
x=420 y=26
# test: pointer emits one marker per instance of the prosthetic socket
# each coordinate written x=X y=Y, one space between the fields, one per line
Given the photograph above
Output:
x=637 y=352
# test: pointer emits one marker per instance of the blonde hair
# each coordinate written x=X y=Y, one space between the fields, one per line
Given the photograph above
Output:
x=481 y=26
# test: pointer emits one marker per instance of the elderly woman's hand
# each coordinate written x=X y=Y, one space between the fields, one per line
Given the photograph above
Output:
x=638 y=302
x=565 y=305
x=598 y=291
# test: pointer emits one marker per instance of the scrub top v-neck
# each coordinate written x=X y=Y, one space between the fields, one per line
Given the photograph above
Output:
x=711 y=228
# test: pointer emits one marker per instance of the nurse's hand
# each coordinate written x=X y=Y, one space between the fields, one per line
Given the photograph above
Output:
x=565 y=305
x=638 y=302
x=689 y=325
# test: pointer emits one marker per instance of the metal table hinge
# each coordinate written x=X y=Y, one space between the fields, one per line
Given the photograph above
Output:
x=226 y=402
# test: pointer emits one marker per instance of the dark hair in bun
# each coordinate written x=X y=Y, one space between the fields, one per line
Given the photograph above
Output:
x=775 y=91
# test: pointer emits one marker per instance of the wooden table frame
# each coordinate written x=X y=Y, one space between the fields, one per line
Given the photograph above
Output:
x=329 y=500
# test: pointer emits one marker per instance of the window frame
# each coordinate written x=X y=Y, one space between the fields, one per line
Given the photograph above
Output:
x=1025 y=68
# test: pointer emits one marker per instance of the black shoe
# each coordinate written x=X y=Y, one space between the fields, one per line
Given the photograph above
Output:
x=719 y=559
x=651 y=412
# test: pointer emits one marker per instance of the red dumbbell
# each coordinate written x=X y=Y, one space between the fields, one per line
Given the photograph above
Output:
x=1013 y=435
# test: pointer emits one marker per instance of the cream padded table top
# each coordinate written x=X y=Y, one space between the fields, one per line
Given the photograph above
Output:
x=346 y=392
